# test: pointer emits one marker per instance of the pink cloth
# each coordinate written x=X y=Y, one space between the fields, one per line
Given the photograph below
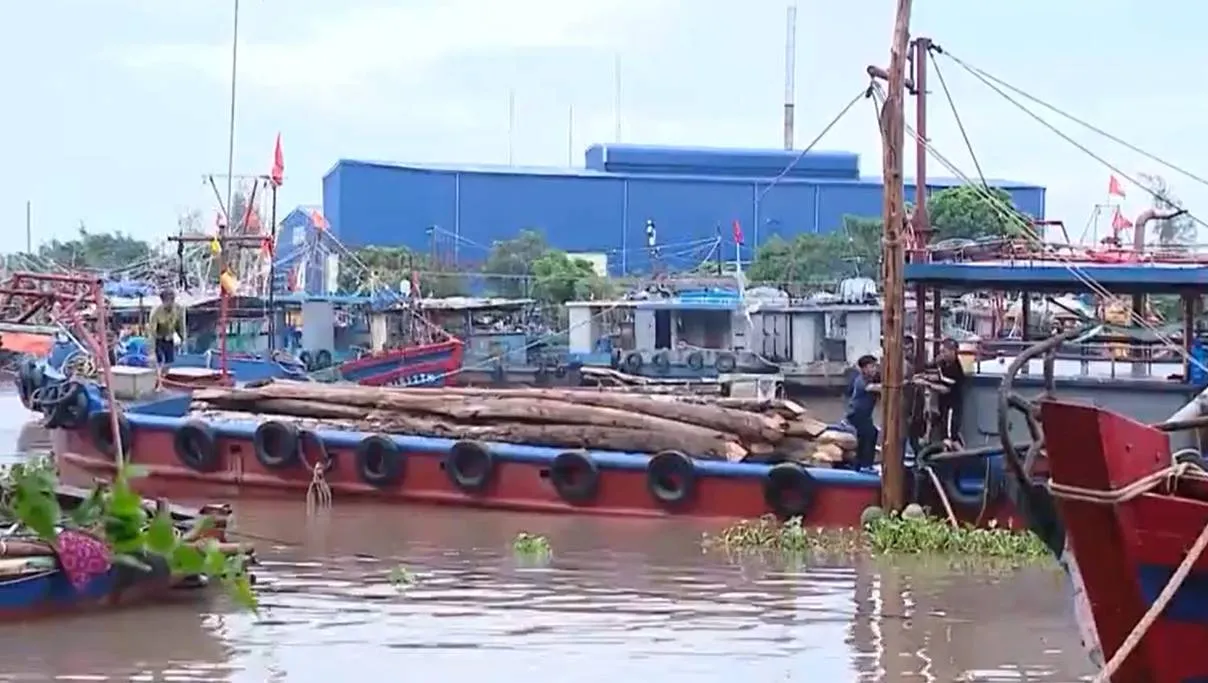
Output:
x=83 y=557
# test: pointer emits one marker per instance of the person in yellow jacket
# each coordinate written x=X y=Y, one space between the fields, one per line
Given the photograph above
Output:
x=167 y=325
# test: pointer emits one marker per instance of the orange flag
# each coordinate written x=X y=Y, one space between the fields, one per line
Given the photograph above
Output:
x=1114 y=188
x=277 y=175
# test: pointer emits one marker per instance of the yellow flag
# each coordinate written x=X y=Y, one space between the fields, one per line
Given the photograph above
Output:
x=215 y=246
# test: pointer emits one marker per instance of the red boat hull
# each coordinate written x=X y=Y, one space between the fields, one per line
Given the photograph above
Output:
x=1127 y=552
x=425 y=365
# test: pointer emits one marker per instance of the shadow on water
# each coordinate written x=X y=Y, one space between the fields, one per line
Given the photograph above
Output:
x=616 y=598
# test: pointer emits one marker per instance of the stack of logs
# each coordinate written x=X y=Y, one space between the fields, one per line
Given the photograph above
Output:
x=733 y=429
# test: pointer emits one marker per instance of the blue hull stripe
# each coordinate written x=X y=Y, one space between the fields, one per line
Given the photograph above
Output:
x=1190 y=603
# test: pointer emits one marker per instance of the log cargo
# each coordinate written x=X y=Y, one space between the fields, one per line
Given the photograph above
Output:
x=724 y=429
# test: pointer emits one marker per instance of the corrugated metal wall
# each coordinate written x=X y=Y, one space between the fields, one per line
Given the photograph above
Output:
x=469 y=210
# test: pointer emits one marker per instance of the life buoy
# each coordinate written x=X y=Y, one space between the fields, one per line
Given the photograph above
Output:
x=789 y=490
x=100 y=430
x=575 y=476
x=380 y=462
x=662 y=362
x=469 y=465
x=696 y=360
x=196 y=446
x=949 y=472
x=726 y=362
x=322 y=359
x=633 y=362
x=276 y=445
x=671 y=477
x=326 y=458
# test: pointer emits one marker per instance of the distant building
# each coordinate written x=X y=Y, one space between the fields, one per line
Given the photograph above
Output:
x=691 y=195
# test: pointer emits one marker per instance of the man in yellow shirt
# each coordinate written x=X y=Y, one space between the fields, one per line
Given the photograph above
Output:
x=167 y=324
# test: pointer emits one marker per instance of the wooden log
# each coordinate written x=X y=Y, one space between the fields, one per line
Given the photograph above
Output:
x=747 y=426
x=806 y=427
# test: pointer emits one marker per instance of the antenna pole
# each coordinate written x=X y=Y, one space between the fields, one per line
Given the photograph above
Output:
x=616 y=105
x=892 y=328
x=790 y=74
x=570 y=136
x=29 y=222
x=511 y=127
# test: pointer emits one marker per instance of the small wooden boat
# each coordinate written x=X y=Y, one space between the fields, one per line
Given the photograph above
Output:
x=422 y=365
x=78 y=574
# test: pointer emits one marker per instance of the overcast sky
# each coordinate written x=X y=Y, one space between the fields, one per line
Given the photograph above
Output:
x=117 y=108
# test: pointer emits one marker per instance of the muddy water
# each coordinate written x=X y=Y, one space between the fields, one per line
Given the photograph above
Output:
x=617 y=599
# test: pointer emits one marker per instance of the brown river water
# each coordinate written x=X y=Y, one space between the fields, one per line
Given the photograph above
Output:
x=616 y=600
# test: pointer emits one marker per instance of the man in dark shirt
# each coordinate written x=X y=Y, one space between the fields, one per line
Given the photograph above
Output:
x=860 y=405
x=952 y=377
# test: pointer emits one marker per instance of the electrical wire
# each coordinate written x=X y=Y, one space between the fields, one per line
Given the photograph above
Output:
x=1010 y=214
x=991 y=83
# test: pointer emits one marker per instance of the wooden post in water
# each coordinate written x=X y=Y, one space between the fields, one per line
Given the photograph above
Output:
x=892 y=328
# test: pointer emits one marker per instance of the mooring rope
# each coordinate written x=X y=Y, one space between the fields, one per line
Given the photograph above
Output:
x=318 y=494
x=1165 y=477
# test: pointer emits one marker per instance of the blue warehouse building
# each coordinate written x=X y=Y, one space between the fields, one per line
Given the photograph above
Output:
x=691 y=194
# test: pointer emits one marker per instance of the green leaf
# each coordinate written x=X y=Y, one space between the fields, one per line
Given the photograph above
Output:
x=240 y=588
x=131 y=561
x=161 y=534
x=187 y=559
x=200 y=526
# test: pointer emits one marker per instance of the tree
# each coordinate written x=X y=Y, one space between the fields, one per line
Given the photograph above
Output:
x=558 y=278
x=102 y=251
x=1179 y=231
x=813 y=259
x=966 y=212
x=509 y=266
x=377 y=268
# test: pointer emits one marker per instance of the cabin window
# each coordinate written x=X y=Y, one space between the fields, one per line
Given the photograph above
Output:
x=662 y=329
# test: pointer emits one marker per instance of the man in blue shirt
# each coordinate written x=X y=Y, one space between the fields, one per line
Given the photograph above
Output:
x=861 y=403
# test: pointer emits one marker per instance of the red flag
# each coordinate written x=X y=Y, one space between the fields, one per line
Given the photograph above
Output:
x=277 y=175
x=1119 y=222
x=1114 y=188
x=737 y=232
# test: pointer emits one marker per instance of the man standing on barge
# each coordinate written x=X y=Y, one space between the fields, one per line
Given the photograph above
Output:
x=167 y=325
x=861 y=403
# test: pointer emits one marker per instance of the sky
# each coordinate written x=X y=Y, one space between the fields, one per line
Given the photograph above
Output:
x=117 y=114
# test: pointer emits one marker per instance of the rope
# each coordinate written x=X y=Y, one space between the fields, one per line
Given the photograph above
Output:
x=939 y=488
x=1167 y=476
x=318 y=494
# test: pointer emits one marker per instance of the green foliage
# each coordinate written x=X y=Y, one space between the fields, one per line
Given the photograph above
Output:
x=528 y=267
x=532 y=545
x=375 y=268
x=965 y=212
x=854 y=250
x=115 y=514
x=882 y=535
x=509 y=266
x=1179 y=231
x=89 y=250
x=812 y=258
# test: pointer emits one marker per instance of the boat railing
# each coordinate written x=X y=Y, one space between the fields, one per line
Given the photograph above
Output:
x=1112 y=360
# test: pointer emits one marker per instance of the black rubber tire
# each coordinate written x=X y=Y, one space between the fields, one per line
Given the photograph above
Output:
x=575 y=476
x=671 y=478
x=661 y=362
x=696 y=360
x=632 y=363
x=726 y=362
x=789 y=490
x=322 y=359
x=276 y=445
x=380 y=462
x=196 y=446
x=101 y=433
x=469 y=466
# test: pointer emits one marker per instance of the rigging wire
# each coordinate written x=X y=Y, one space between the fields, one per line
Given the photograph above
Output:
x=1009 y=213
x=813 y=143
x=1086 y=150
x=960 y=125
x=976 y=71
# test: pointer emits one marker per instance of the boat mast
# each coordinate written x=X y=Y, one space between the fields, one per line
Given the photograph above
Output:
x=892 y=328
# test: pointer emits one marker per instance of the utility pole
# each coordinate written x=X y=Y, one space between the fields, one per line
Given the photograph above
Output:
x=892 y=329
x=29 y=222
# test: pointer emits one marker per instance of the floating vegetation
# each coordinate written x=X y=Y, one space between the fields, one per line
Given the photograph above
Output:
x=532 y=545
x=910 y=533
x=115 y=514
x=401 y=578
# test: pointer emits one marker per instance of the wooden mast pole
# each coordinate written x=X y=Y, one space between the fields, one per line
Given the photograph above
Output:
x=892 y=327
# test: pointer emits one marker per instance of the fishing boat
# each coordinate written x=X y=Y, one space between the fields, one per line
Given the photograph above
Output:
x=77 y=574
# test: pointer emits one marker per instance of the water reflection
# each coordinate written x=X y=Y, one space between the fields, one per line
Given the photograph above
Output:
x=617 y=598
